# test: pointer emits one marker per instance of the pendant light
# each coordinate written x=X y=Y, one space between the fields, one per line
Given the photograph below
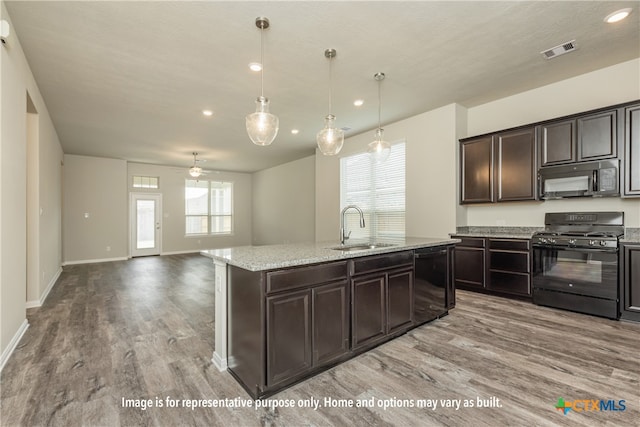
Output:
x=195 y=170
x=379 y=149
x=262 y=126
x=330 y=139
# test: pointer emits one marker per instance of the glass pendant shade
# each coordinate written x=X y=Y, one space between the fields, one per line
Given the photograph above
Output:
x=262 y=126
x=195 y=171
x=379 y=149
x=330 y=138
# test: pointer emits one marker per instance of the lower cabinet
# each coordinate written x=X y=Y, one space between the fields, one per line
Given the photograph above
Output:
x=501 y=266
x=382 y=297
x=286 y=325
x=469 y=263
x=630 y=282
x=510 y=266
x=306 y=329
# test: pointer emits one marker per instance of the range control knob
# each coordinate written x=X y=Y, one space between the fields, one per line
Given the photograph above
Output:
x=542 y=240
x=572 y=241
x=603 y=243
x=552 y=240
x=592 y=242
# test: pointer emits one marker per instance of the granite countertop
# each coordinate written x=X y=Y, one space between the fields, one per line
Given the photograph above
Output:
x=631 y=235
x=272 y=257
x=497 y=232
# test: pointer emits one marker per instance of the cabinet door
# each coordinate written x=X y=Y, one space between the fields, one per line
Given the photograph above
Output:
x=630 y=292
x=369 y=314
x=558 y=142
x=597 y=136
x=288 y=336
x=400 y=300
x=469 y=266
x=330 y=322
x=516 y=170
x=632 y=151
x=476 y=157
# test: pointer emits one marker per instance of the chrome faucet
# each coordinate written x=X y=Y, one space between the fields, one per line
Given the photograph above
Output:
x=344 y=237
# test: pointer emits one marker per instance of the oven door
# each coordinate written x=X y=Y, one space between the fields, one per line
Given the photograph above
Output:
x=588 y=272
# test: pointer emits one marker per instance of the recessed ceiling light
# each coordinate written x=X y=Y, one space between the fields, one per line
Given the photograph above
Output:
x=358 y=102
x=295 y=131
x=255 y=66
x=207 y=112
x=618 y=15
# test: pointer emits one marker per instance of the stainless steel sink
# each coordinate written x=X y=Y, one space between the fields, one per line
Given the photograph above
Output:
x=361 y=246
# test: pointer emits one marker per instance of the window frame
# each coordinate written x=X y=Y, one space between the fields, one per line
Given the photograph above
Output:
x=210 y=216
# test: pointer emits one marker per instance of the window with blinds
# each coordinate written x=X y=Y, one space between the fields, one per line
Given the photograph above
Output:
x=208 y=207
x=376 y=188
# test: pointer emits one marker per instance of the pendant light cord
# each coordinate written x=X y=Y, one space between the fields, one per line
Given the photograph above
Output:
x=379 y=104
x=330 y=82
x=262 y=60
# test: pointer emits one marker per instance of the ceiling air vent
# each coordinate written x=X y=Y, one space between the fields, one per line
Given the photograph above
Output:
x=559 y=50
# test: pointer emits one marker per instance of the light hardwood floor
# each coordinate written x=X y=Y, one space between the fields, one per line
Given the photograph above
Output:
x=143 y=329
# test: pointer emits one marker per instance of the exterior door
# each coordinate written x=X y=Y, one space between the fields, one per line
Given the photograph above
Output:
x=145 y=222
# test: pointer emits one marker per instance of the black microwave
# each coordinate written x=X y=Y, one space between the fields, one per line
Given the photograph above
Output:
x=587 y=179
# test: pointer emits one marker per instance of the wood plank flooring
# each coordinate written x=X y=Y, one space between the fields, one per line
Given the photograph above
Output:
x=143 y=329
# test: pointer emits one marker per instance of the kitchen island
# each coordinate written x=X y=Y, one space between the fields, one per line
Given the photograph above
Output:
x=287 y=312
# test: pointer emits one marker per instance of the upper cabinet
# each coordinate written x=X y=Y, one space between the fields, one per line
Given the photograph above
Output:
x=476 y=167
x=499 y=167
x=516 y=169
x=583 y=138
x=632 y=151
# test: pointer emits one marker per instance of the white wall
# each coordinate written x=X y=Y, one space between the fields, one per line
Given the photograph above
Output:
x=431 y=177
x=284 y=203
x=15 y=82
x=172 y=181
x=96 y=187
x=608 y=86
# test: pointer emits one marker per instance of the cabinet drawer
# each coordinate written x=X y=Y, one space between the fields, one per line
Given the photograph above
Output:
x=512 y=283
x=472 y=242
x=382 y=262
x=509 y=261
x=305 y=276
x=509 y=244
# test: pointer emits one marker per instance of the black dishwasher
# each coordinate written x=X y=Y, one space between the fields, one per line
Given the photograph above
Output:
x=433 y=292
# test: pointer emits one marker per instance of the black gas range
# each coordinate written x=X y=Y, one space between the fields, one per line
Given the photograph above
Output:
x=576 y=262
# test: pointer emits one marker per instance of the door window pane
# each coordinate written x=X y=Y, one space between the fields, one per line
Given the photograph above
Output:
x=146 y=224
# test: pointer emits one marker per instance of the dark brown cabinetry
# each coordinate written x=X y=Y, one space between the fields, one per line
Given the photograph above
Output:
x=632 y=151
x=469 y=263
x=382 y=297
x=500 y=266
x=476 y=158
x=630 y=282
x=515 y=168
x=306 y=329
x=510 y=266
x=500 y=167
x=588 y=137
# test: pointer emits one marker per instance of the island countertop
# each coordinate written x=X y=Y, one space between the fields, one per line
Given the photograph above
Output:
x=272 y=257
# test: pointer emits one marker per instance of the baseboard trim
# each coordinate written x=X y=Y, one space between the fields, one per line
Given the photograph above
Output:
x=94 y=261
x=6 y=354
x=45 y=294
x=194 y=251
x=219 y=362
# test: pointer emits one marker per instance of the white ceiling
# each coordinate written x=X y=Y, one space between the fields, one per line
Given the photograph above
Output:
x=129 y=80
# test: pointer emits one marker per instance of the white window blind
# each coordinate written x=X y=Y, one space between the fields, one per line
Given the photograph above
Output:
x=376 y=188
x=208 y=207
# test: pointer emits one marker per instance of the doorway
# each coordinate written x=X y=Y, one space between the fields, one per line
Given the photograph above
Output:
x=145 y=224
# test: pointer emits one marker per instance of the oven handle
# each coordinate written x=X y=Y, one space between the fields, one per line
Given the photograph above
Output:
x=586 y=250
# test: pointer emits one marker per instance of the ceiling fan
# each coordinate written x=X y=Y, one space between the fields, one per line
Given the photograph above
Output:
x=195 y=170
